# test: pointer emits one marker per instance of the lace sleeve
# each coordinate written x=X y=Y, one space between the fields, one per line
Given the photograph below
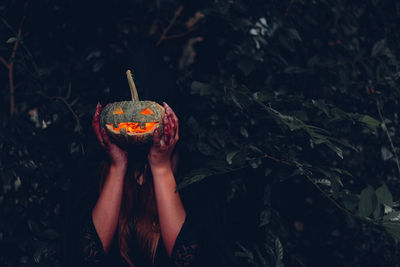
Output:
x=186 y=248
x=90 y=244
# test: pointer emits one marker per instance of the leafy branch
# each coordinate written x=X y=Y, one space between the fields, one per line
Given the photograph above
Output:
x=171 y=23
x=388 y=135
x=10 y=66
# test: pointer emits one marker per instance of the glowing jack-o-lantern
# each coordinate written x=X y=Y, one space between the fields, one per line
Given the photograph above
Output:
x=132 y=122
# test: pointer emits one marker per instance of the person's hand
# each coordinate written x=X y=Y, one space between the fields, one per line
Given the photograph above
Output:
x=160 y=153
x=118 y=157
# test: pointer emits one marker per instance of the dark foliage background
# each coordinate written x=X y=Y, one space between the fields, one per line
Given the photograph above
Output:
x=290 y=107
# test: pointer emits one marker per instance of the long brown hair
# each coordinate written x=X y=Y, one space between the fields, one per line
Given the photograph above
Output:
x=138 y=227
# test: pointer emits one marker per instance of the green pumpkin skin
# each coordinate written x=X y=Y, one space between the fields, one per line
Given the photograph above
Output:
x=131 y=113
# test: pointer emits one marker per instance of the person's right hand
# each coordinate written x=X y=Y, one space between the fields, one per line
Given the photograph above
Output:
x=118 y=156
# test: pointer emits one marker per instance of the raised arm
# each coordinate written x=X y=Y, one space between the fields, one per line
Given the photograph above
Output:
x=106 y=211
x=171 y=213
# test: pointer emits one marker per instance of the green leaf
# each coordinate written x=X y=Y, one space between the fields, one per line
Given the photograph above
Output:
x=386 y=153
x=34 y=227
x=378 y=47
x=335 y=185
x=265 y=217
x=11 y=40
x=191 y=180
x=350 y=201
x=384 y=196
x=378 y=212
x=294 y=34
x=370 y=122
x=17 y=184
x=236 y=101
x=335 y=149
x=393 y=216
x=393 y=229
x=230 y=156
x=244 y=132
x=278 y=251
x=367 y=202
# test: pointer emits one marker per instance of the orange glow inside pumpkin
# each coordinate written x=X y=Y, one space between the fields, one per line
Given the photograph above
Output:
x=133 y=127
x=146 y=111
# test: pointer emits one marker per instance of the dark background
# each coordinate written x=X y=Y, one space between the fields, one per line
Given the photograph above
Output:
x=288 y=118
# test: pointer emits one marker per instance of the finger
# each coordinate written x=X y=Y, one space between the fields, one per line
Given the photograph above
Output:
x=171 y=121
x=162 y=144
x=156 y=138
x=157 y=141
x=172 y=124
x=168 y=120
x=96 y=115
x=106 y=139
x=175 y=121
x=96 y=124
x=167 y=131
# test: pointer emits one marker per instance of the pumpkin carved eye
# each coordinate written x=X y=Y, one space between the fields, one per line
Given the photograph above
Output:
x=118 y=111
x=147 y=111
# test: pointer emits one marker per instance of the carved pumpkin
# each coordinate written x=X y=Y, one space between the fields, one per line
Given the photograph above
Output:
x=132 y=122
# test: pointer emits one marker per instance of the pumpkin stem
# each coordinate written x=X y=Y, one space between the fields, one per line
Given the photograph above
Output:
x=134 y=94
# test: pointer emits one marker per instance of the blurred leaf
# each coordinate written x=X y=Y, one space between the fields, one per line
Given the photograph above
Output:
x=278 y=251
x=294 y=34
x=386 y=154
x=350 y=201
x=393 y=229
x=367 y=202
x=384 y=196
x=230 y=156
x=370 y=122
x=378 y=47
x=11 y=40
x=34 y=227
x=244 y=132
x=378 y=212
x=393 y=216
x=191 y=180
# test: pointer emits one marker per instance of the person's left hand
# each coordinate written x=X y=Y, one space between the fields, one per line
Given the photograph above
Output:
x=160 y=153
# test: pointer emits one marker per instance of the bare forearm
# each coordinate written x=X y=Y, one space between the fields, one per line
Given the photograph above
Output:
x=106 y=211
x=171 y=213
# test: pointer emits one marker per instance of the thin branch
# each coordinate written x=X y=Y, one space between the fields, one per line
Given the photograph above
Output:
x=378 y=105
x=178 y=35
x=62 y=99
x=10 y=66
x=2 y=60
x=171 y=23
x=278 y=160
x=328 y=197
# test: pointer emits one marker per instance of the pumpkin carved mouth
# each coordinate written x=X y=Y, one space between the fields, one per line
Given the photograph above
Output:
x=132 y=127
